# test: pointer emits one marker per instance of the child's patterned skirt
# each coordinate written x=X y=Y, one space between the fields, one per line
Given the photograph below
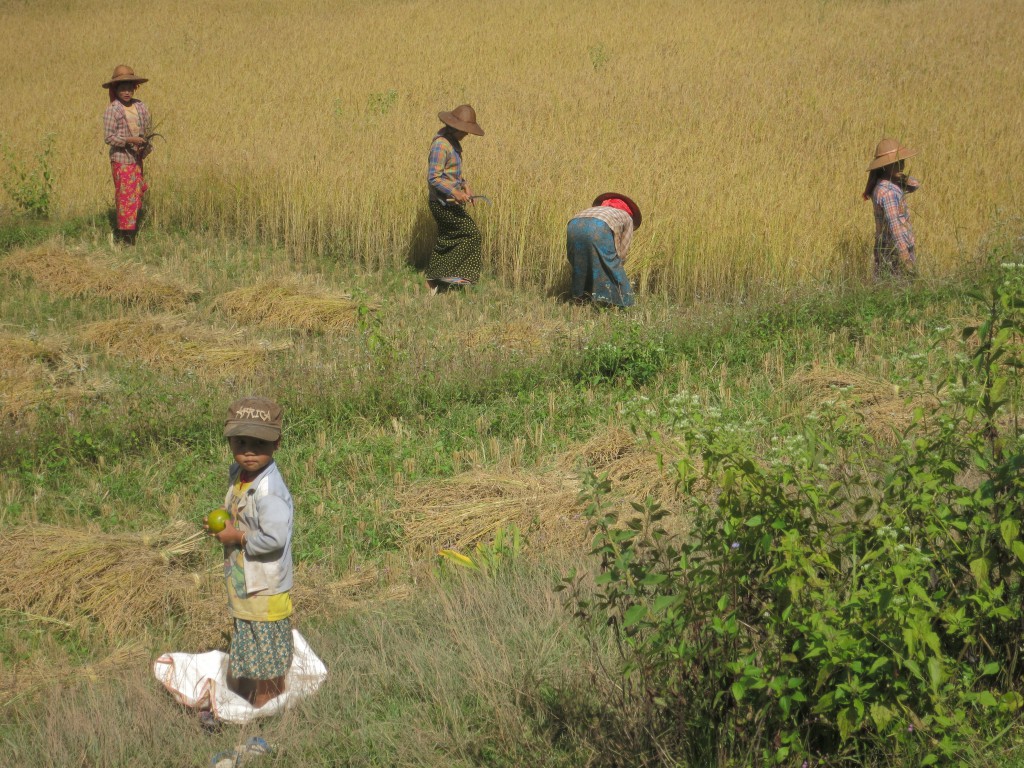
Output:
x=261 y=650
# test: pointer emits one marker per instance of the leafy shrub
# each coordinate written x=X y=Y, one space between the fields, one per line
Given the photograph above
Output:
x=830 y=599
x=633 y=360
x=380 y=103
x=31 y=187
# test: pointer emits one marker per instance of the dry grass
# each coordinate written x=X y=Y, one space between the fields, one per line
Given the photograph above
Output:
x=37 y=371
x=883 y=408
x=122 y=584
x=77 y=274
x=713 y=162
x=318 y=593
x=292 y=304
x=42 y=672
x=171 y=343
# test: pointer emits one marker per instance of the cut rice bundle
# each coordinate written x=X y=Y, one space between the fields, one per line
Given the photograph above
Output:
x=460 y=511
x=37 y=371
x=882 y=407
x=632 y=467
x=121 y=583
x=169 y=342
x=292 y=304
x=77 y=274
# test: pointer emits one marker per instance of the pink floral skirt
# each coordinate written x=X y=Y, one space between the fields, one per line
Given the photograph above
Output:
x=129 y=186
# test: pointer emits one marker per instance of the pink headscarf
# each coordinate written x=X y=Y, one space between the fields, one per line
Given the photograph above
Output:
x=615 y=202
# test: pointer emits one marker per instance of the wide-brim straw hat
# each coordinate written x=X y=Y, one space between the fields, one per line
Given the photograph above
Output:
x=890 y=151
x=462 y=118
x=124 y=74
x=633 y=207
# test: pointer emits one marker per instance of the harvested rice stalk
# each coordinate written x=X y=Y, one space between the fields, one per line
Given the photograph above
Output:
x=292 y=304
x=19 y=347
x=881 y=406
x=121 y=582
x=170 y=343
x=458 y=512
x=37 y=371
x=77 y=274
x=632 y=466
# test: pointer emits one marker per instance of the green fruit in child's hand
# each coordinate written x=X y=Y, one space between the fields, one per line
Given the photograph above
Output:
x=217 y=519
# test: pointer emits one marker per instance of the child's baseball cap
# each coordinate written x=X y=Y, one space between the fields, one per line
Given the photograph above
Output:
x=258 y=417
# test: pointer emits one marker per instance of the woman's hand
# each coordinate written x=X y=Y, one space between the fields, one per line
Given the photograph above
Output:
x=461 y=196
x=136 y=141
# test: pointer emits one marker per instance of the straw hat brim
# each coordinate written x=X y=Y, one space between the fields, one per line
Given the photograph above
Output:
x=460 y=125
x=901 y=153
x=637 y=216
x=116 y=80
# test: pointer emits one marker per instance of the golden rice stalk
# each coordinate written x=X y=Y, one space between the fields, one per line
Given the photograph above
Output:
x=462 y=510
x=123 y=583
x=291 y=304
x=881 y=406
x=632 y=466
x=37 y=371
x=20 y=347
x=77 y=274
x=171 y=343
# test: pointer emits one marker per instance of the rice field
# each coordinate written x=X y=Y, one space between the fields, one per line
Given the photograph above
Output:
x=742 y=128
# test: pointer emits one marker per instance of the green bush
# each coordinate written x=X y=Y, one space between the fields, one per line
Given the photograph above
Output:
x=831 y=599
x=631 y=359
x=31 y=187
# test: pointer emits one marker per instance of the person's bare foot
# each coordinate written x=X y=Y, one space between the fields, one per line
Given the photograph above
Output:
x=267 y=690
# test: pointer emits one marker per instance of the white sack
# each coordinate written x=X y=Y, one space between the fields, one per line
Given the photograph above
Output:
x=199 y=680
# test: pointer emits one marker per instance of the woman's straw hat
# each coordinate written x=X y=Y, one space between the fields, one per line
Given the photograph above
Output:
x=462 y=118
x=633 y=207
x=124 y=74
x=890 y=151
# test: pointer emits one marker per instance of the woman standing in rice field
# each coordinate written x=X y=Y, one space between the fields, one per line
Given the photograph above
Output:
x=456 y=259
x=887 y=188
x=126 y=124
x=597 y=242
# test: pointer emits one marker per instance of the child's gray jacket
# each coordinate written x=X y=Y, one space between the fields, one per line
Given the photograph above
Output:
x=266 y=517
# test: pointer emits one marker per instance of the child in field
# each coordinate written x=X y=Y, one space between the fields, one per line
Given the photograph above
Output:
x=597 y=241
x=887 y=187
x=126 y=124
x=457 y=258
x=257 y=552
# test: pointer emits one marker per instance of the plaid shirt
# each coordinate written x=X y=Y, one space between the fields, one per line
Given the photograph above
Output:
x=444 y=167
x=116 y=130
x=618 y=221
x=893 y=234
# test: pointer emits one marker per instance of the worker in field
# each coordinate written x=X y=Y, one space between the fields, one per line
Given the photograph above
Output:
x=127 y=126
x=457 y=257
x=597 y=243
x=887 y=189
